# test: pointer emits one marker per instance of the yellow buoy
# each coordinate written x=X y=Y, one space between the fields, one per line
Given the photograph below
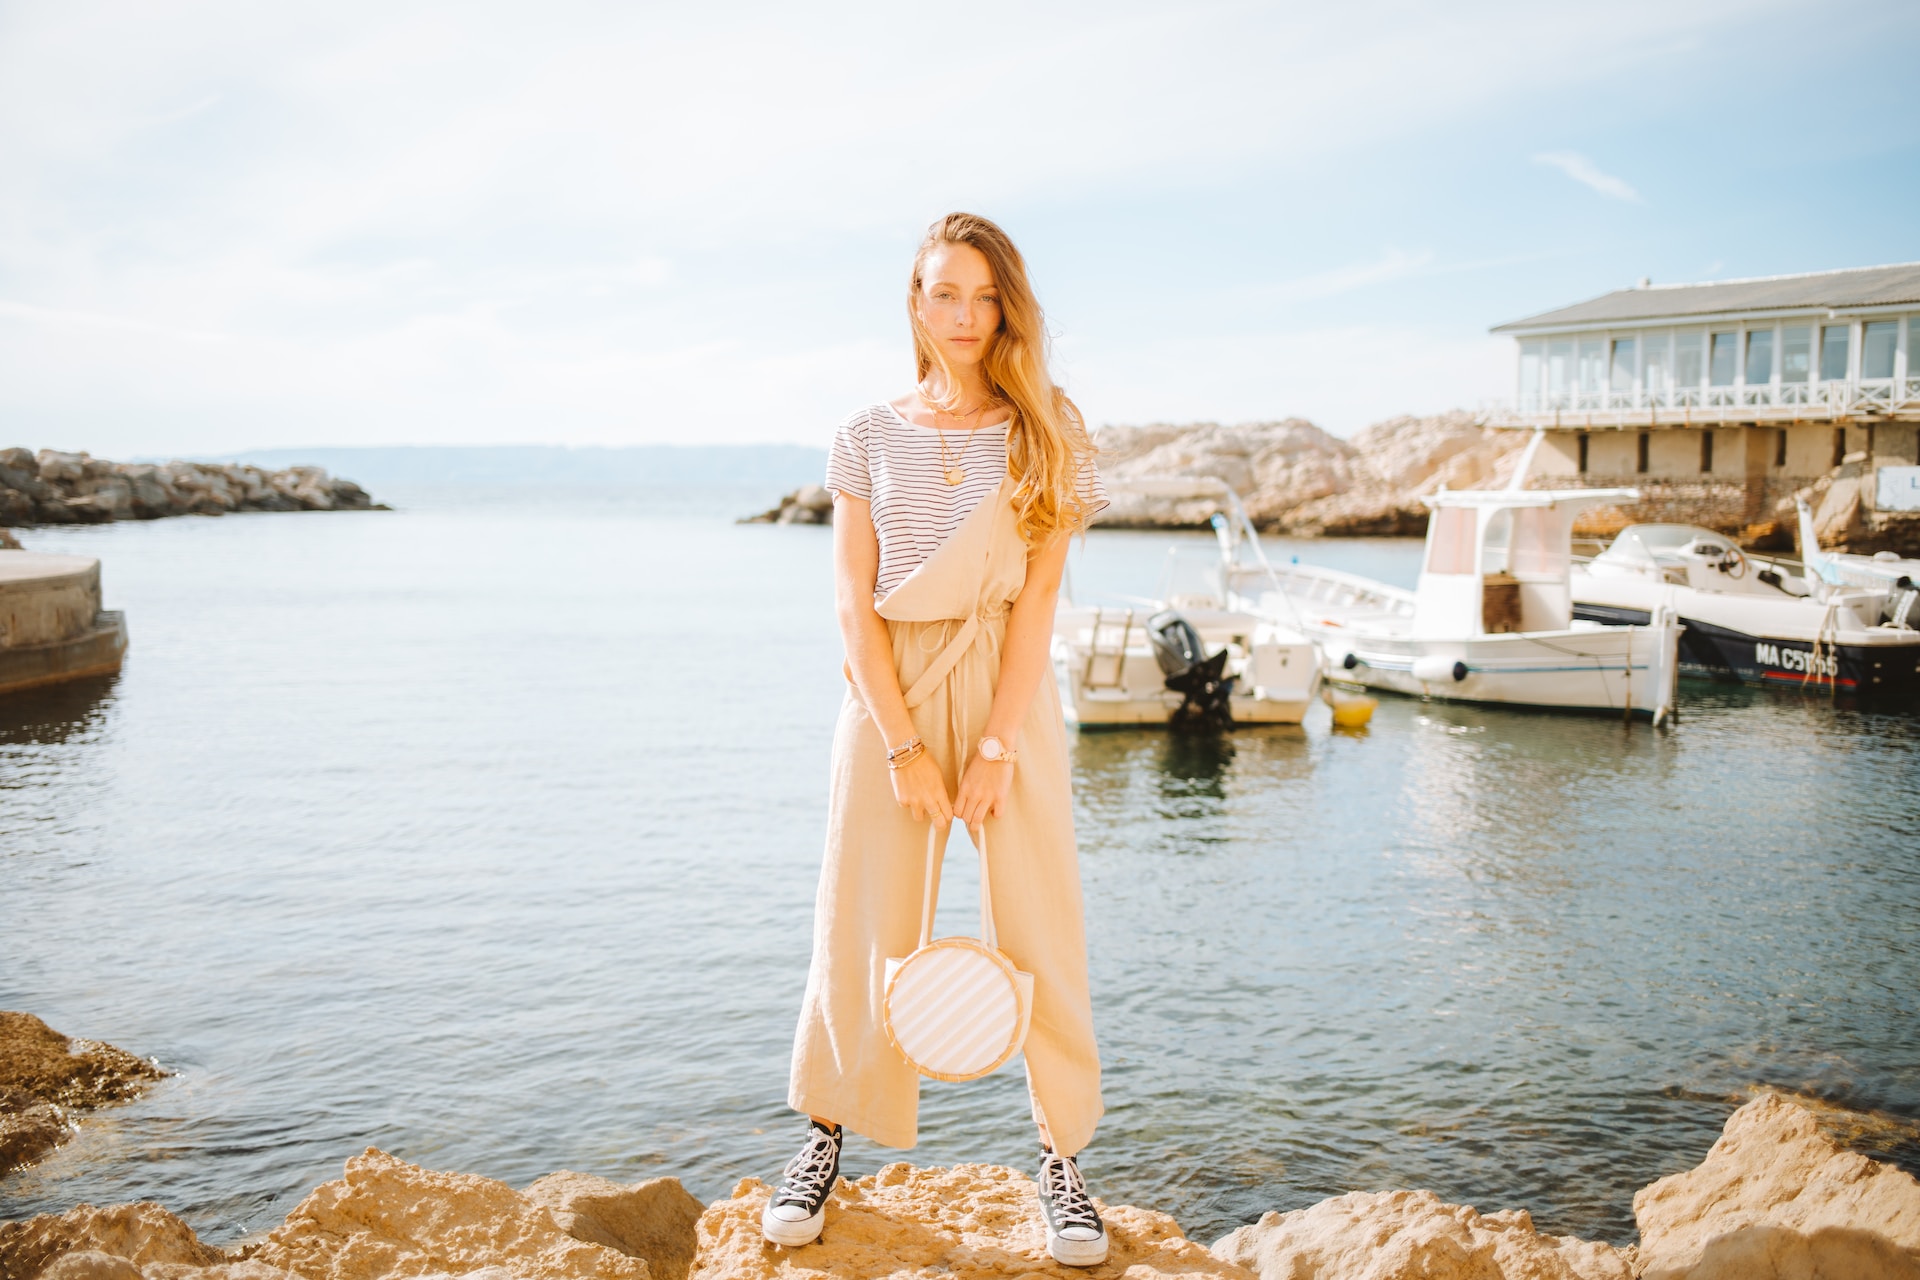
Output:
x=1350 y=710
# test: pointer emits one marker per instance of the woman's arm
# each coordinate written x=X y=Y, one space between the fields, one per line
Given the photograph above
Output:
x=1025 y=659
x=856 y=566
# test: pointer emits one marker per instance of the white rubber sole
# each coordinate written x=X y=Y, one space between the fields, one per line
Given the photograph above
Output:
x=1077 y=1253
x=791 y=1234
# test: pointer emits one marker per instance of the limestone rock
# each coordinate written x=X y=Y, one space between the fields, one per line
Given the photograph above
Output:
x=390 y=1218
x=143 y=1233
x=809 y=504
x=654 y=1219
x=1404 y=1235
x=1273 y=466
x=44 y=1074
x=91 y=1264
x=1295 y=478
x=969 y=1222
x=1776 y=1199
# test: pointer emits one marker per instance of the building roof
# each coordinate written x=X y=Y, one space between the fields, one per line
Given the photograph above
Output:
x=1856 y=287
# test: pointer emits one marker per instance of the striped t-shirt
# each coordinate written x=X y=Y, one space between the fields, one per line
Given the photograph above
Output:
x=896 y=466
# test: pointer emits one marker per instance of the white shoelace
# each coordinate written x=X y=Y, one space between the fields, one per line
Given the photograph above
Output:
x=1061 y=1181
x=806 y=1174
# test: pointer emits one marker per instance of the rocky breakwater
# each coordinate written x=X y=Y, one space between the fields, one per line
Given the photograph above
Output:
x=47 y=1079
x=1775 y=1199
x=51 y=487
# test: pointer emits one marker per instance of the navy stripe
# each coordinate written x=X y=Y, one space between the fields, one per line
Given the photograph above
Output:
x=897 y=466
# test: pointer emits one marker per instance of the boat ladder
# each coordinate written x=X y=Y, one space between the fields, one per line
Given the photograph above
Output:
x=1094 y=652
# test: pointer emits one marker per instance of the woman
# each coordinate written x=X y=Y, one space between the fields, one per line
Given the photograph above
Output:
x=952 y=511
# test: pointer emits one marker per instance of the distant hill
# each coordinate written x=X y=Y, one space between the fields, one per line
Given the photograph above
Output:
x=771 y=466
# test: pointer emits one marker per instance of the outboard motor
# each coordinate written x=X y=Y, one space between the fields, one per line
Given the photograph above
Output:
x=1201 y=681
x=1902 y=608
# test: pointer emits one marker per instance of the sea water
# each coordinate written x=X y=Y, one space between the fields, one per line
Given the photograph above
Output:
x=485 y=831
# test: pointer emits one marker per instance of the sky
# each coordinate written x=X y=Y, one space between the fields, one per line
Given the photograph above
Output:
x=227 y=225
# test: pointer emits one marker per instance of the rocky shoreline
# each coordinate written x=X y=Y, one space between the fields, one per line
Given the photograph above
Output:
x=47 y=1079
x=50 y=487
x=1776 y=1198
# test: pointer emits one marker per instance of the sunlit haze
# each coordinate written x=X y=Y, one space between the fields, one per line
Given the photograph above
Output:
x=230 y=225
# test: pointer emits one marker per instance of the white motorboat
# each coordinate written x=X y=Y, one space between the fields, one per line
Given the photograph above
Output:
x=1179 y=656
x=1491 y=619
x=1130 y=665
x=1759 y=618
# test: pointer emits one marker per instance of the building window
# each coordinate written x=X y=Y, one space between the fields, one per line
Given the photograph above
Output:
x=1593 y=368
x=1530 y=362
x=1559 y=373
x=1796 y=354
x=1686 y=360
x=1654 y=363
x=1582 y=439
x=1780 y=447
x=1640 y=464
x=1759 y=356
x=1839 y=445
x=1725 y=350
x=1877 y=339
x=1833 y=353
x=1621 y=380
x=1913 y=348
x=1706 y=450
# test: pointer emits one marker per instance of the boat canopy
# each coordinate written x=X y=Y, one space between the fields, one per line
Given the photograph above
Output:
x=1500 y=559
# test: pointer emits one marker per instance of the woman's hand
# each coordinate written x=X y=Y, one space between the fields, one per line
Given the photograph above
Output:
x=920 y=787
x=983 y=791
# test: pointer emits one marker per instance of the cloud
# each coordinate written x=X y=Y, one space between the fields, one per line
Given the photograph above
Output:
x=226 y=225
x=1588 y=174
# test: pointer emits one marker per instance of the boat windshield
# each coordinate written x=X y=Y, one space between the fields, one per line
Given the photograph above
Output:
x=1655 y=541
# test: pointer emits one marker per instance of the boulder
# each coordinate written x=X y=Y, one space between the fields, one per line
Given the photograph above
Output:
x=809 y=504
x=969 y=1222
x=1295 y=478
x=44 y=1074
x=1273 y=466
x=1413 y=1235
x=1776 y=1199
x=142 y=1233
x=91 y=1264
x=654 y=1219
x=390 y=1218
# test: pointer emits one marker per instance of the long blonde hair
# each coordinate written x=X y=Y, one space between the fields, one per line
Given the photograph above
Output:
x=1047 y=441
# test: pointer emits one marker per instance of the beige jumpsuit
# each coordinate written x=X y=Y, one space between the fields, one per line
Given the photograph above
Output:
x=948 y=620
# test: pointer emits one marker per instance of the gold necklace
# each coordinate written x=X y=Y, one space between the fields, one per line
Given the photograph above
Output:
x=951 y=470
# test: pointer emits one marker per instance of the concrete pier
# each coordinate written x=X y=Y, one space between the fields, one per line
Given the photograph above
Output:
x=52 y=627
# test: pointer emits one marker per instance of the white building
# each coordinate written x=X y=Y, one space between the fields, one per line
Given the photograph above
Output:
x=1718 y=399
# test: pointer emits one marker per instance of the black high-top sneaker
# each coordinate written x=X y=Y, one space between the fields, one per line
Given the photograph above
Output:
x=796 y=1212
x=1075 y=1234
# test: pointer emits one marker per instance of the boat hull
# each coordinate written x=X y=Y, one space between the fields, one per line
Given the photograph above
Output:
x=1724 y=653
x=1621 y=670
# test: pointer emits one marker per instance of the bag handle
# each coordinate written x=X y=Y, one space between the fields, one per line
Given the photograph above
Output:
x=931 y=896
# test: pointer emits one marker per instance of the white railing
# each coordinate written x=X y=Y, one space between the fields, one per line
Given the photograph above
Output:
x=1763 y=401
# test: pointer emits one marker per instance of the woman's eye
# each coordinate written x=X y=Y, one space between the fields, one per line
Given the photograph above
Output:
x=991 y=302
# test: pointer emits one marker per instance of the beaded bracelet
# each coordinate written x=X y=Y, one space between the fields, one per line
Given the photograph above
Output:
x=906 y=753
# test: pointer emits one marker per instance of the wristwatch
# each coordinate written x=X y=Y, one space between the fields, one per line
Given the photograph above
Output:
x=992 y=749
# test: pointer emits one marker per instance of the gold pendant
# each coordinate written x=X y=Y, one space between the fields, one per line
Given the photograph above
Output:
x=955 y=475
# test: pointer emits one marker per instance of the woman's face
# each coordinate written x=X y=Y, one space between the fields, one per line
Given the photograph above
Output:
x=958 y=303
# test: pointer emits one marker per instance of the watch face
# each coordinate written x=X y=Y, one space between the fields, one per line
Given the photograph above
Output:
x=991 y=749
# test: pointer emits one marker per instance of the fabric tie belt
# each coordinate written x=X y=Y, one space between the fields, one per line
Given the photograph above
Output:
x=955 y=648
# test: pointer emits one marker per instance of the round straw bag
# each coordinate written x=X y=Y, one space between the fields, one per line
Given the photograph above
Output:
x=957 y=1008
